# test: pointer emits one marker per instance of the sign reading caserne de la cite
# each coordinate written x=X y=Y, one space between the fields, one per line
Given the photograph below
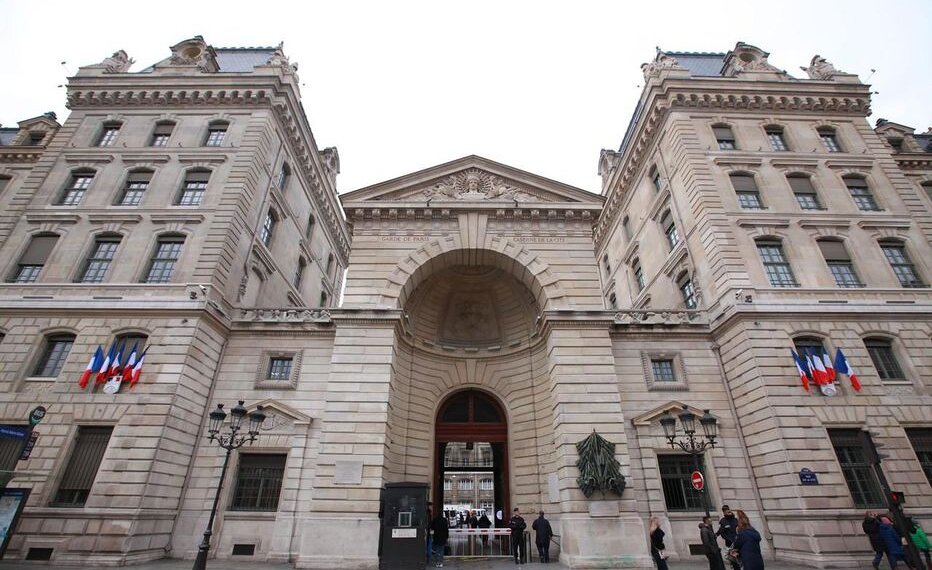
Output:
x=807 y=477
x=13 y=432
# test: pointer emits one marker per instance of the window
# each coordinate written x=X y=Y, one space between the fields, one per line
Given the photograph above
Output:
x=130 y=340
x=829 y=140
x=808 y=346
x=861 y=193
x=216 y=132
x=775 y=264
x=669 y=229
x=678 y=493
x=98 y=262
x=258 y=482
x=33 y=259
x=902 y=265
x=299 y=272
x=626 y=227
x=324 y=298
x=136 y=184
x=280 y=368
x=195 y=184
x=4 y=181
x=663 y=370
x=162 y=264
x=927 y=186
x=606 y=264
x=329 y=263
x=81 y=470
x=638 y=274
x=724 y=137
x=77 y=186
x=310 y=226
x=283 y=175
x=858 y=473
x=921 y=440
x=466 y=485
x=54 y=354
x=839 y=263
x=447 y=485
x=161 y=133
x=687 y=290
x=746 y=190
x=775 y=136
x=805 y=193
x=35 y=138
x=108 y=135
x=881 y=353
x=486 y=485
x=896 y=145
x=10 y=450
x=613 y=301
x=268 y=228
x=655 y=180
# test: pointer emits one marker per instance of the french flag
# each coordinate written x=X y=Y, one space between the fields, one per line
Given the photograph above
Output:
x=105 y=365
x=802 y=368
x=821 y=375
x=130 y=364
x=92 y=366
x=813 y=371
x=842 y=366
x=829 y=368
x=115 y=363
x=137 y=369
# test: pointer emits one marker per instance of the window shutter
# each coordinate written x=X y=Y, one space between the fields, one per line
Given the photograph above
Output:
x=38 y=251
x=722 y=133
x=743 y=183
x=197 y=176
x=834 y=250
x=801 y=184
x=139 y=176
x=86 y=457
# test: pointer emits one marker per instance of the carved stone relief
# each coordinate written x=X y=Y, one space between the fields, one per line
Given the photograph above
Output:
x=820 y=68
x=119 y=62
x=471 y=318
x=475 y=185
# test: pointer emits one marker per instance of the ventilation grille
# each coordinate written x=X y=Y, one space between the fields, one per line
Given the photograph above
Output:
x=39 y=554
x=696 y=550
x=244 y=549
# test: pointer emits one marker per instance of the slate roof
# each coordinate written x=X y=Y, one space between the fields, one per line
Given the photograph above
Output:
x=7 y=136
x=925 y=142
x=234 y=60
x=701 y=64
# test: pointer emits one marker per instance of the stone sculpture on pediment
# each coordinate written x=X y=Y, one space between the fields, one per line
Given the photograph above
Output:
x=661 y=61
x=475 y=185
x=119 y=62
x=279 y=59
x=820 y=68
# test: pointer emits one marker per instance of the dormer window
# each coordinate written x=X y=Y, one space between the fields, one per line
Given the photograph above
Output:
x=35 y=138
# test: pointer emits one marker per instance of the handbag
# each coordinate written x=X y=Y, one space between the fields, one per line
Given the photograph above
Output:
x=732 y=555
x=663 y=554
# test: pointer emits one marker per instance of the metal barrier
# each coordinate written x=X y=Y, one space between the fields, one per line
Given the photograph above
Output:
x=486 y=543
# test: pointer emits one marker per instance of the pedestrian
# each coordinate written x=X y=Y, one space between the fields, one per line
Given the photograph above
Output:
x=892 y=542
x=430 y=533
x=919 y=538
x=657 y=547
x=747 y=543
x=543 y=534
x=871 y=527
x=441 y=530
x=517 y=526
x=485 y=523
x=728 y=530
x=471 y=520
x=712 y=550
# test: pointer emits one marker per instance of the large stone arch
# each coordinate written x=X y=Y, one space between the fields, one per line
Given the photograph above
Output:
x=526 y=266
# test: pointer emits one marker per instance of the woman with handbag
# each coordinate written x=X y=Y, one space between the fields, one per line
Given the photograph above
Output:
x=747 y=544
x=657 y=548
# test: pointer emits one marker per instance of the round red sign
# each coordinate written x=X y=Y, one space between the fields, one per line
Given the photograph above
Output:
x=697 y=480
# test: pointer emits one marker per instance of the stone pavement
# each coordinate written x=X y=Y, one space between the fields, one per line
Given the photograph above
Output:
x=450 y=564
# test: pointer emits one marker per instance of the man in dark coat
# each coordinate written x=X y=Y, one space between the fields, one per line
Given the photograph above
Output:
x=484 y=523
x=728 y=530
x=871 y=527
x=441 y=530
x=892 y=542
x=517 y=526
x=541 y=526
x=712 y=550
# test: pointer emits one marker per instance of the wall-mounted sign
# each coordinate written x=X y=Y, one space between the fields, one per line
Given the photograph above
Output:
x=404 y=533
x=13 y=432
x=807 y=477
x=30 y=443
x=12 y=502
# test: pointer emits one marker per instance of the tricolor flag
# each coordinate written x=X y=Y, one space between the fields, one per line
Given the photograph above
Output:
x=802 y=368
x=821 y=375
x=130 y=363
x=813 y=373
x=92 y=366
x=137 y=370
x=105 y=365
x=115 y=363
x=842 y=366
x=829 y=369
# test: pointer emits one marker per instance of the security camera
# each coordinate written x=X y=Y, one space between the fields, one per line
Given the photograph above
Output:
x=738 y=293
x=203 y=289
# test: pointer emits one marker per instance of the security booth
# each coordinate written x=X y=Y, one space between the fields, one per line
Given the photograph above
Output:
x=404 y=520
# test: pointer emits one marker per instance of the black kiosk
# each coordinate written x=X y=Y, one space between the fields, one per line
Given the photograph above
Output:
x=403 y=533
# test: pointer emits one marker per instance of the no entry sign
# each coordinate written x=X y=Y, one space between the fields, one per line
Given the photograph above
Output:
x=697 y=480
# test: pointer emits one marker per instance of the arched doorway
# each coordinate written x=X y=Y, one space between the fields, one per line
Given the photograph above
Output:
x=472 y=441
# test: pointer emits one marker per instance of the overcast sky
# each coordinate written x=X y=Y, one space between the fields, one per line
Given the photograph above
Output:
x=542 y=86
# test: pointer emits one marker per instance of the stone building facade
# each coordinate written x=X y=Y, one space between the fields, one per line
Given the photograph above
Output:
x=188 y=207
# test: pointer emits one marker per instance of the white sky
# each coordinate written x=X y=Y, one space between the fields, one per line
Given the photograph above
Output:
x=542 y=86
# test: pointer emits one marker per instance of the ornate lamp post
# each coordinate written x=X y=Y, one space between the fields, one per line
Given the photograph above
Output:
x=231 y=439
x=690 y=442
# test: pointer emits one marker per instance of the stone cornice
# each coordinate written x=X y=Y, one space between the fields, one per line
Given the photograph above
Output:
x=543 y=211
x=20 y=153
x=913 y=161
x=719 y=95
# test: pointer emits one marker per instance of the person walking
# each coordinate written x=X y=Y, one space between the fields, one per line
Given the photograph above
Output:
x=892 y=543
x=657 y=547
x=441 y=530
x=712 y=550
x=543 y=533
x=430 y=532
x=919 y=538
x=871 y=527
x=747 y=543
x=485 y=523
x=728 y=530
x=517 y=526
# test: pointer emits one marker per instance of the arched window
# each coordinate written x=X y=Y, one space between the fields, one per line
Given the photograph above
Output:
x=164 y=258
x=687 y=290
x=194 y=187
x=34 y=258
x=776 y=266
x=884 y=358
x=299 y=272
x=724 y=137
x=776 y=138
x=162 y=133
x=283 y=175
x=100 y=257
x=329 y=264
x=809 y=345
x=626 y=227
x=109 y=133
x=54 y=353
x=216 y=132
x=638 y=273
x=655 y=179
x=746 y=190
x=804 y=191
x=900 y=262
x=137 y=182
x=78 y=184
x=669 y=229
x=829 y=139
x=613 y=301
x=268 y=228
x=311 y=221
x=839 y=262
x=860 y=193
x=606 y=264
x=130 y=340
x=324 y=299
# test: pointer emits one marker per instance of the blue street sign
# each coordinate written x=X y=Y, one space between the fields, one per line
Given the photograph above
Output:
x=807 y=477
x=13 y=432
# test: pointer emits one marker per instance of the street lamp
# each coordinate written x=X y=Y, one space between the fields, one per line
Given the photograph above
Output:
x=691 y=443
x=230 y=439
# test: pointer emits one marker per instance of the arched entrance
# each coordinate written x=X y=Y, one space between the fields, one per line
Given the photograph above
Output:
x=471 y=441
